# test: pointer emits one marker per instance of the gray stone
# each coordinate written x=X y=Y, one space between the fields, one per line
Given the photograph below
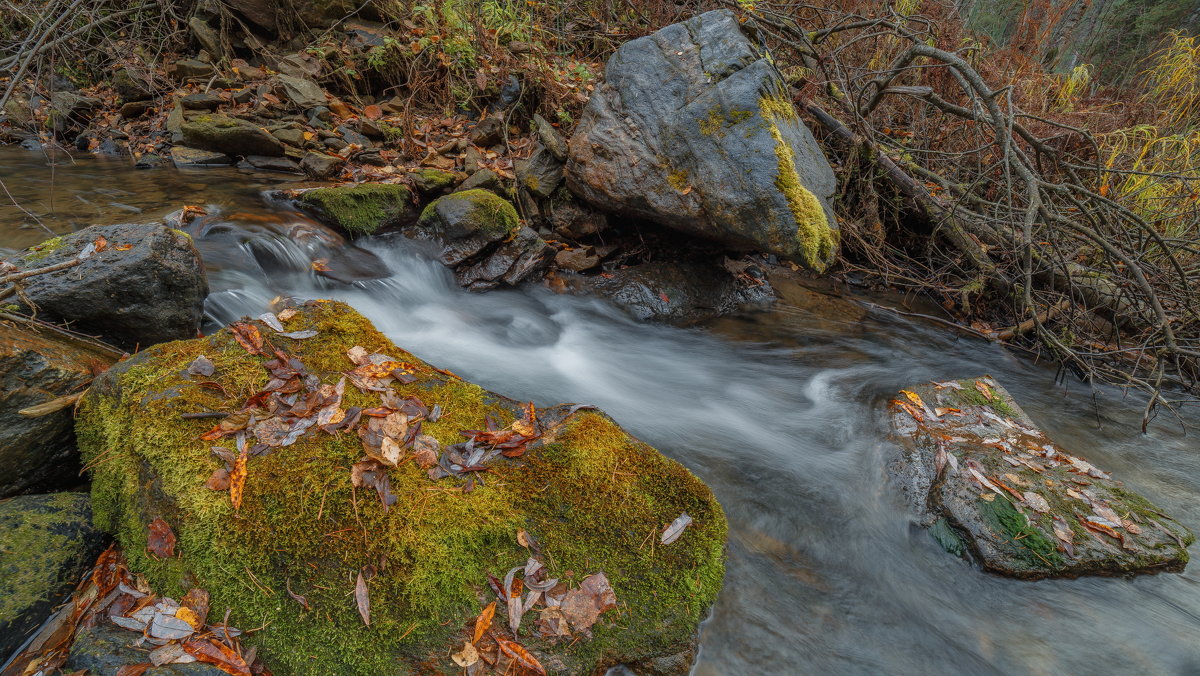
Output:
x=320 y=166
x=487 y=132
x=149 y=161
x=303 y=92
x=174 y=123
x=150 y=293
x=46 y=544
x=577 y=260
x=990 y=485
x=206 y=36
x=201 y=101
x=573 y=221
x=693 y=128
x=230 y=136
x=292 y=137
x=38 y=366
x=105 y=648
x=131 y=86
x=273 y=163
x=350 y=135
x=679 y=293
x=135 y=109
x=541 y=174
x=550 y=138
x=485 y=179
x=183 y=156
x=189 y=68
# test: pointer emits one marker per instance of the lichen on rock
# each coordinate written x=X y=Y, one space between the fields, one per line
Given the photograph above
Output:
x=593 y=497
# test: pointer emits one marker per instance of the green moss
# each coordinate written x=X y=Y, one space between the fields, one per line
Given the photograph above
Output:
x=816 y=240
x=715 y=123
x=678 y=179
x=594 y=497
x=40 y=251
x=361 y=209
x=35 y=547
x=431 y=180
x=970 y=396
x=947 y=538
x=1038 y=550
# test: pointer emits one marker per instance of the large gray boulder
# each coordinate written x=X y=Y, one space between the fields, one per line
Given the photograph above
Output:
x=46 y=543
x=37 y=367
x=230 y=136
x=990 y=485
x=693 y=129
x=143 y=283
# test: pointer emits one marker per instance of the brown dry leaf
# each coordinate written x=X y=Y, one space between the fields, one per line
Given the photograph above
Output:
x=160 y=539
x=520 y=655
x=523 y=538
x=134 y=669
x=196 y=600
x=287 y=313
x=939 y=412
x=909 y=409
x=583 y=606
x=467 y=656
x=248 y=336
x=362 y=600
x=358 y=355
x=219 y=480
x=1037 y=502
x=984 y=390
x=372 y=112
x=1065 y=535
x=321 y=265
x=526 y=425
x=123 y=247
x=237 y=480
x=100 y=243
x=484 y=621
x=218 y=654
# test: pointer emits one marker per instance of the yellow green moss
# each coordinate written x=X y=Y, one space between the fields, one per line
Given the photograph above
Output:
x=361 y=209
x=35 y=546
x=815 y=241
x=484 y=212
x=595 y=498
x=678 y=179
x=718 y=119
x=41 y=251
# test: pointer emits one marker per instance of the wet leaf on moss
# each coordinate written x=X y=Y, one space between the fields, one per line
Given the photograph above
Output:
x=520 y=655
x=676 y=528
x=467 y=656
x=298 y=335
x=237 y=479
x=362 y=600
x=160 y=539
x=271 y=320
x=583 y=606
x=984 y=390
x=201 y=366
x=248 y=336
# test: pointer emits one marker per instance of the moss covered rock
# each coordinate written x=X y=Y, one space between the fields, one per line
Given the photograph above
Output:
x=229 y=135
x=46 y=543
x=593 y=499
x=693 y=129
x=361 y=209
x=432 y=181
x=988 y=483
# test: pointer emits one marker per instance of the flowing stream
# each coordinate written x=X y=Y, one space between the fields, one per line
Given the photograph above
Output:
x=779 y=411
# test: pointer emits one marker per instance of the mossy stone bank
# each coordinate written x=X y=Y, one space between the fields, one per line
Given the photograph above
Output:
x=588 y=496
x=989 y=484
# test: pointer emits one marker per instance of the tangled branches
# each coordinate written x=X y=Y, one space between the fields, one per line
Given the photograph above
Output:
x=1000 y=203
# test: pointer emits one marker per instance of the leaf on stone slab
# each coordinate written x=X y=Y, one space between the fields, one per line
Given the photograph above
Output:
x=201 y=366
x=516 y=652
x=160 y=539
x=1037 y=502
x=675 y=529
x=362 y=600
x=168 y=654
x=271 y=320
x=1065 y=535
x=169 y=627
x=134 y=669
x=484 y=621
x=130 y=623
x=984 y=390
x=212 y=651
x=939 y=412
x=467 y=656
x=910 y=409
x=914 y=398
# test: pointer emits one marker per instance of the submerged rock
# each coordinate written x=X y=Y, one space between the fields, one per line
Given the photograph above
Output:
x=38 y=366
x=46 y=544
x=988 y=483
x=362 y=209
x=678 y=292
x=580 y=496
x=230 y=136
x=693 y=128
x=145 y=285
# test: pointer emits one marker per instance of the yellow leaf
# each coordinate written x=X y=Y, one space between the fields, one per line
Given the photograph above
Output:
x=913 y=397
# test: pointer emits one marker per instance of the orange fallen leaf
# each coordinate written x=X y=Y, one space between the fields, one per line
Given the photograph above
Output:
x=913 y=397
x=984 y=390
x=123 y=247
x=248 y=336
x=484 y=621
x=520 y=655
x=218 y=654
x=237 y=480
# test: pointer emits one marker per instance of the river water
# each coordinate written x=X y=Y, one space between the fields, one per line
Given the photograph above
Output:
x=779 y=411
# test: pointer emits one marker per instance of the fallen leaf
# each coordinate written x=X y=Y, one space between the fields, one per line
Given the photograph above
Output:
x=134 y=669
x=287 y=314
x=122 y=247
x=201 y=366
x=270 y=320
x=248 y=336
x=170 y=653
x=1037 y=502
x=583 y=606
x=362 y=600
x=296 y=597
x=321 y=265
x=169 y=627
x=939 y=412
x=484 y=621
x=676 y=529
x=237 y=479
x=216 y=653
x=219 y=480
x=520 y=655
x=984 y=389
x=298 y=335
x=160 y=540
x=467 y=656
x=913 y=397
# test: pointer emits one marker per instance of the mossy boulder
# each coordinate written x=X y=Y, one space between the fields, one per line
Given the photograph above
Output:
x=693 y=128
x=592 y=497
x=46 y=543
x=432 y=181
x=990 y=485
x=361 y=209
x=229 y=135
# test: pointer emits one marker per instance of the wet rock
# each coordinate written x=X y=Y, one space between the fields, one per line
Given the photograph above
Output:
x=550 y=138
x=575 y=221
x=467 y=222
x=182 y=156
x=511 y=262
x=371 y=158
x=303 y=92
x=149 y=161
x=292 y=137
x=577 y=260
x=206 y=36
x=370 y=129
x=185 y=69
x=541 y=174
x=681 y=293
x=487 y=132
x=485 y=179
x=431 y=181
x=243 y=95
x=298 y=65
x=39 y=366
x=361 y=209
x=559 y=492
x=149 y=293
x=246 y=71
x=47 y=542
x=263 y=163
x=988 y=483
x=693 y=128
x=201 y=101
x=135 y=109
x=105 y=648
x=72 y=110
x=335 y=144
x=229 y=135
x=131 y=87
x=320 y=166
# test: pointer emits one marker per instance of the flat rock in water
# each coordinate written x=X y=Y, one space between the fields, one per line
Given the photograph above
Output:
x=693 y=128
x=229 y=135
x=990 y=484
x=183 y=156
x=38 y=366
x=143 y=283
x=46 y=544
